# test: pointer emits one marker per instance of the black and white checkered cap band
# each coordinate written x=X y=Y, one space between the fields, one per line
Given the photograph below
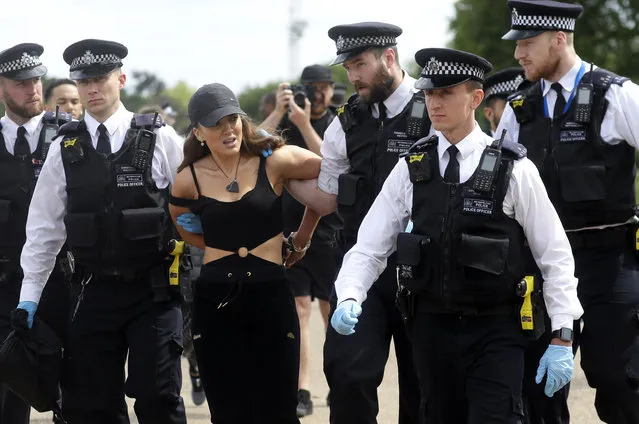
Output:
x=26 y=61
x=435 y=68
x=542 y=22
x=345 y=44
x=90 y=59
x=505 y=87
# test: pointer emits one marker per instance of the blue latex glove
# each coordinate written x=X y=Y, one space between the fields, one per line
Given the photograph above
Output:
x=268 y=151
x=190 y=222
x=558 y=364
x=345 y=317
x=30 y=307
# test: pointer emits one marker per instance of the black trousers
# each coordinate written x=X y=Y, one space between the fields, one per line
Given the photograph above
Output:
x=354 y=365
x=609 y=293
x=246 y=338
x=470 y=368
x=13 y=410
x=117 y=317
x=539 y=408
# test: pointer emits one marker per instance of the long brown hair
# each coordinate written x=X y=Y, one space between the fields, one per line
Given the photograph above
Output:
x=252 y=143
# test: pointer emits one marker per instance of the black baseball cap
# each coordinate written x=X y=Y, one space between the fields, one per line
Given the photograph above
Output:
x=212 y=102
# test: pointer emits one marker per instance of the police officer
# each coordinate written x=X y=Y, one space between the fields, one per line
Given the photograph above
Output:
x=383 y=119
x=104 y=189
x=471 y=207
x=580 y=127
x=497 y=87
x=313 y=276
x=24 y=139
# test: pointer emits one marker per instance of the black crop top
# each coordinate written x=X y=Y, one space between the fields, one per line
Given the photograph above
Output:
x=248 y=222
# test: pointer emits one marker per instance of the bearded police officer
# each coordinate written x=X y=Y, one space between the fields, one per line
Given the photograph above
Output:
x=26 y=132
x=497 y=88
x=581 y=128
x=472 y=201
x=104 y=189
x=383 y=119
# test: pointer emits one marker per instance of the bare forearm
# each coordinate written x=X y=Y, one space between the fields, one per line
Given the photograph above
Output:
x=272 y=121
x=312 y=139
x=307 y=193
x=307 y=227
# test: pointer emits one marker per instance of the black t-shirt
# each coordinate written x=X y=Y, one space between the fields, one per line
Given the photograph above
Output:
x=292 y=210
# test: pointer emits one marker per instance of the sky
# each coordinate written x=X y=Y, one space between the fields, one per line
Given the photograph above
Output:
x=239 y=43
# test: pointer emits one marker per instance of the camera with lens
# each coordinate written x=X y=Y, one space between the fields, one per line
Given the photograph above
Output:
x=301 y=92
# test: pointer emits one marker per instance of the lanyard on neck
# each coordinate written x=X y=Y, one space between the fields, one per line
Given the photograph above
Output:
x=580 y=74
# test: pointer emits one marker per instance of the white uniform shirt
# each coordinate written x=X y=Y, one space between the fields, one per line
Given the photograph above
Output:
x=10 y=132
x=526 y=201
x=334 y=157
x=45 y=229
x=620 y=123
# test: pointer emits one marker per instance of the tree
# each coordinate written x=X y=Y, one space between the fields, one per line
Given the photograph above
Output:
x=606 y=33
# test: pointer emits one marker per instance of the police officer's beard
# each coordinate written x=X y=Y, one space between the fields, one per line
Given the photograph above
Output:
x=25 y=112
x=381 y=87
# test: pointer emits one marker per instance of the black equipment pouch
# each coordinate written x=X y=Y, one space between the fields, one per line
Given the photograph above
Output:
x=413 y=271
x=485 y=254
x=143 y=223
x=350 y=187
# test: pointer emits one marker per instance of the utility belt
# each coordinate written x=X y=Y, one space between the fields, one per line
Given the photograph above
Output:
x=164 y=277
x=10 y=269
x=413 y=275
x=604 y=238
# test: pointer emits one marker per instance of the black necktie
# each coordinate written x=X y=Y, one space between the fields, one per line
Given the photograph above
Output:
x=104 y=145
x=21 y=148
x=382 y=114
x=560 y=103
x=451 y=175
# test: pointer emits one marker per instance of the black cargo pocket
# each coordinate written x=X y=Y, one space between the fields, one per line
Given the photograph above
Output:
x=143 y=224
x=484 y=253
x=82 y=229
x=583 y=183
x=5 y=211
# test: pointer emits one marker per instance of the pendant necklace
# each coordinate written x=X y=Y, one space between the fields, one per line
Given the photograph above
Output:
x=233 y=186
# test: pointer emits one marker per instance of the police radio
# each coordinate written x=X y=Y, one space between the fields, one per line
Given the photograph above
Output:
x=488 y=166
x=144 y=144
x=415 y=121
x=583 y=101
x=50 y=132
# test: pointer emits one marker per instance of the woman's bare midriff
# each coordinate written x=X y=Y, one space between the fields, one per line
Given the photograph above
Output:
x=270 y=250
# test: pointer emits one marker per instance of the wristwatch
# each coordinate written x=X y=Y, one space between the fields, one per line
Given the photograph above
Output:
x=563 y=334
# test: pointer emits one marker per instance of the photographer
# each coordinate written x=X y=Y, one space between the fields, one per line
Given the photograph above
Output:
x=302 y=111
x=301 y=116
